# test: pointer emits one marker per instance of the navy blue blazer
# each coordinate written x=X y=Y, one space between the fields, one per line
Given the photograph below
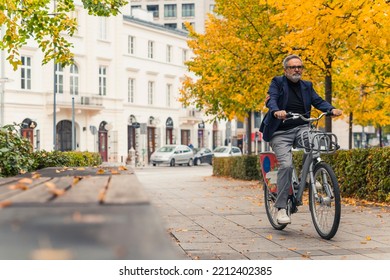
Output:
x=278 y=92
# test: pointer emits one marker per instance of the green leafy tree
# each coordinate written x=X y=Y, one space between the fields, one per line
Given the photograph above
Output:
x=47 y=22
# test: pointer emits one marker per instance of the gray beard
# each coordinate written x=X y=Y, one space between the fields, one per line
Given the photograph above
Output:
x=294 y=78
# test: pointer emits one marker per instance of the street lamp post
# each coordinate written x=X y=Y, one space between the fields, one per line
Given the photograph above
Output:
x=3 y=80
x=55 y=93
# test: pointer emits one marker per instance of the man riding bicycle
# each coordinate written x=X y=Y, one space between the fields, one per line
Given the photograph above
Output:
x=288 y=93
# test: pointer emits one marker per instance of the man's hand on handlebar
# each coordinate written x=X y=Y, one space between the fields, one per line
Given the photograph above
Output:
x=282 y=114
x=337 y=112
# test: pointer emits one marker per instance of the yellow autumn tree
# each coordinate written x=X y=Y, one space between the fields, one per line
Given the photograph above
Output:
x=234 y=59
x=329 y=35
x=343 y=43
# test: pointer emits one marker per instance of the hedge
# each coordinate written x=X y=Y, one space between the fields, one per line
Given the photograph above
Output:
x=362 y=173
x=17 y=156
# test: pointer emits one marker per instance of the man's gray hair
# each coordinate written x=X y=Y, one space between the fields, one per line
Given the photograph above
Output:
x=288 y=58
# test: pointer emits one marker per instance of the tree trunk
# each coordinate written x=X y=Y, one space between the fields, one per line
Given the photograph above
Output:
x=350 y=135
x=249 y=133
x=328 y=97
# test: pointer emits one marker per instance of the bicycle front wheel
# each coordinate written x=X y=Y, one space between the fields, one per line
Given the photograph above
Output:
x=325 y=208
x=269 y=202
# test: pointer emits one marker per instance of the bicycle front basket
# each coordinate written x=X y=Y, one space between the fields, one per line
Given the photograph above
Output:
x=324 y=142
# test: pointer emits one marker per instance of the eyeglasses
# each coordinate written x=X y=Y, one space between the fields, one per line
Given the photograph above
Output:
x=299 y=67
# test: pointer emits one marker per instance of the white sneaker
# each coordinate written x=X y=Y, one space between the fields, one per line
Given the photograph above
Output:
x=282 y=217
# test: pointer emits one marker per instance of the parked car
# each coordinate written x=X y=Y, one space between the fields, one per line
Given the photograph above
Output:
x=227 y=151
x=203 y=155
x=172 y=155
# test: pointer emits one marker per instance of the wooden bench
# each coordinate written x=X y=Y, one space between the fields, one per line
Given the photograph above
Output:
x=80 y=213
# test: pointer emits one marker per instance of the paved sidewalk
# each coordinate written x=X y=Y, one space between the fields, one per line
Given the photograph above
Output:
x=219 y=218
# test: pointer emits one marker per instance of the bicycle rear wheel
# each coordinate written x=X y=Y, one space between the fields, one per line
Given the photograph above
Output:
x=269 y=202
x=326 y=208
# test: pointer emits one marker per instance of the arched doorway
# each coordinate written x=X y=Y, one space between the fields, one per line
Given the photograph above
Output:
x=64 y=135
x=103 y=140
x=169 y=131
x=27 y=130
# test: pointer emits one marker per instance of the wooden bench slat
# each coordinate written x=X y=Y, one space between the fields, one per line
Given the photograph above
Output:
x=7 y=191
x=125 y=189
x=86 y=190
x=44 y=192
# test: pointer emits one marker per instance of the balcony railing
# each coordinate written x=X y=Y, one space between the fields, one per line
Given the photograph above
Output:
x=81 y=100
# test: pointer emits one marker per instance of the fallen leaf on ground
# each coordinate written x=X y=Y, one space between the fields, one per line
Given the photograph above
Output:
x=20 y=186
x=25 y=181
x=100 y=171
x=76 y=179
x=50 y=185
x=5 y=203
x=57 y=192
x=36 y=175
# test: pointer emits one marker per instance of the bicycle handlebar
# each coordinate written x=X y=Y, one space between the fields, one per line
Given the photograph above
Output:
x=294 y=116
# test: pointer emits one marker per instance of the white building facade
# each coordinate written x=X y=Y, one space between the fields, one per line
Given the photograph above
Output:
x=121 y=93
x=174 y=13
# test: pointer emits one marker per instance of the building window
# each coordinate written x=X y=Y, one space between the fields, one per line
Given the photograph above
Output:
x=169 y=95
x=188 y=10
x=102 y=80
x=59 y=78
x=169 y=53
x=75 y=15
x=25 y=73
x=74 y=79
x=102 y=28
x=184 y=55
x=184 y=27
x=130 y=90
x=212 y=8
x=170 y=11
x=134 y=7
x=171 y=25
x=150 y=49
x=150 y=93
x=154 y=9
x=130 y=44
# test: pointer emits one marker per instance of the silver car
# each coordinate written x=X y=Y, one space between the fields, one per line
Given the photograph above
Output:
x=172 y=155
x=227 y=151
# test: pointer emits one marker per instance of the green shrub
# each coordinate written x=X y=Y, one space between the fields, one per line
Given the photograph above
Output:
x=245 y=167
x=16 y=155
x=45 y=159
x=15 y=152
x=361 y=173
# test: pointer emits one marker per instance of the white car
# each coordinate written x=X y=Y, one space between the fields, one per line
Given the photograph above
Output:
x=227 y=151
x=172 y=155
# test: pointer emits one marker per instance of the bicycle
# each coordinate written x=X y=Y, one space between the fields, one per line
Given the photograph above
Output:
x=316 y=175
